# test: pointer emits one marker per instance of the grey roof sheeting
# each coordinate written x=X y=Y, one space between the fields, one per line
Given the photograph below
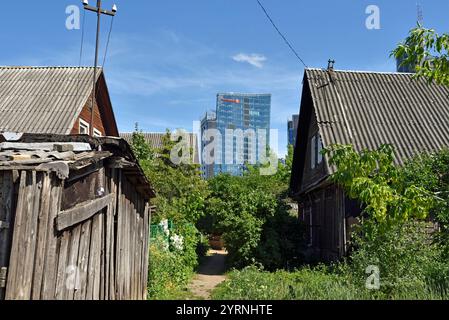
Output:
x=155 y=141
x=368 y=109
x=43 y=99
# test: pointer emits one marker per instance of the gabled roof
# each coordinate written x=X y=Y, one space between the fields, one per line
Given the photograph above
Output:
x=368 y=109
x=155 y=141
x=43 y=99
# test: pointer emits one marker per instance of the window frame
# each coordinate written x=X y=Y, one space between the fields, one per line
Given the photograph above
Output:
x=83 y=124
x=97 y=133
x=316 y=157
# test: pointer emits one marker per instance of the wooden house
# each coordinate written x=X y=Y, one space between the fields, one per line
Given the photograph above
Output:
x=75 y=216
x=54 y=100
x=366 y=110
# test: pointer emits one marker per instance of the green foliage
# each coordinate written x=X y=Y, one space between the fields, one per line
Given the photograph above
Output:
x=181 y=198
x=141 y=149
x=372 y=178
x=392 y=236
x=431 y=171
x=306 y=284
x=252 y=214
x=406 y=257
x=239 y=213
x=428 y=51
x=320 y=283
x=168 y=273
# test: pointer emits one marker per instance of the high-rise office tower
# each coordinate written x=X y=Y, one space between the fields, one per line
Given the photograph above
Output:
x=242 y=123
x=292 y=129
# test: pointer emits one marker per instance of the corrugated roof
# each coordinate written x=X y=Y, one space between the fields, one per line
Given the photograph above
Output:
x=43 y=99
x=155 y=141
x=368 y=109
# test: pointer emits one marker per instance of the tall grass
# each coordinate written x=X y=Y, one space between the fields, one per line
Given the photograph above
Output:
x=313 y=284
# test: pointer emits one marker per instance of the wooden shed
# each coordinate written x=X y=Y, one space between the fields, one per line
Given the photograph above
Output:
x=75 y=217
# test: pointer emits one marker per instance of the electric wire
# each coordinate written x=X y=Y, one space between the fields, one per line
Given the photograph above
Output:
x=107 y=44
x=80 y=59
x=281 y=34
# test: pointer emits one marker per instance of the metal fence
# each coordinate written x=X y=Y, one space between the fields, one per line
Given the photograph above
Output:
x=157 y=230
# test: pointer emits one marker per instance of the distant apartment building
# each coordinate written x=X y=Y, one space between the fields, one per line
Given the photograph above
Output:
x=292 y=129
x=243 y=124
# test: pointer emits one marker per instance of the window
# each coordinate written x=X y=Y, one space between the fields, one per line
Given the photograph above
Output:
x=84 y=127
x=316 y=158
x=97 y=133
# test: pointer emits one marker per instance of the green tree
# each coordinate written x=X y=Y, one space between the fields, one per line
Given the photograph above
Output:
x=428 y=51
x=372 y=178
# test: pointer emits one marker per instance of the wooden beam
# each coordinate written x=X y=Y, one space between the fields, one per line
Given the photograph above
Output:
x=76 y=175
x=82 y=212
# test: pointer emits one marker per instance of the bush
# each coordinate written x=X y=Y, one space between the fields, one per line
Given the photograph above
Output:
x=171 y=266
x=167 y=273
x=407 y=259
x=251 y=214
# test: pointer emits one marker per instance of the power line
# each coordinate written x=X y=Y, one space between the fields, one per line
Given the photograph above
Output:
x=82 y=38
x=280 y=33
x=107 y=44
x=80 y=58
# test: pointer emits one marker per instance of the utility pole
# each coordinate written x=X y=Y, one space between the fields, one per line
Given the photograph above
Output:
x=99 y=12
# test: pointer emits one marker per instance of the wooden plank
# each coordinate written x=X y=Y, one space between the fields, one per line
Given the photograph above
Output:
x=119 y=247
x=61 y=275
x=82 y=212
x=42 y=236
x=99 y=291
x=140 y=270
x=6 y=216
x=147 y=223
x=51 y=260
x=30 y=243
x=93 y=267
x=99 y=288
x=24 y=236
x=125 y=229
x=72 y=264
x=127 y=220
x=83 y=260
x=112 y=236
x=17 y=248
x=133 y=250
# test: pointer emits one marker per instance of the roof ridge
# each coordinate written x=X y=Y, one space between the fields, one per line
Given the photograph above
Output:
x=47 y=67
x=361 y=71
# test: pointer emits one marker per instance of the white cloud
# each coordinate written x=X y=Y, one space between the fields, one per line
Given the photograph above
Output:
x=253 y=59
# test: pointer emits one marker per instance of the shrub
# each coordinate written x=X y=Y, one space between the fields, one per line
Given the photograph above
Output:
x=251 y=214
x=167 y=273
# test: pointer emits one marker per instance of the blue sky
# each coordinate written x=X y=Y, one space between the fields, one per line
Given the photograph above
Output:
x=168 y=59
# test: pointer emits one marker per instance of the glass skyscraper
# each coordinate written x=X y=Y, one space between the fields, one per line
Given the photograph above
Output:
x=292 y=129
x=243 y=121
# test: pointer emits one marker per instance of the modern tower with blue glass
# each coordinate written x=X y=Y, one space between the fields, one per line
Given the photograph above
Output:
x=243 y=124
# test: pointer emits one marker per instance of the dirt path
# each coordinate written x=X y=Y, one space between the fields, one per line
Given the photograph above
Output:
x=210 y=274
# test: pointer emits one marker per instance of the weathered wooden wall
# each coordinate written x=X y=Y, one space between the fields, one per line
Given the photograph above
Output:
x=328 y=222
x=96 y=250
x=6 y=222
